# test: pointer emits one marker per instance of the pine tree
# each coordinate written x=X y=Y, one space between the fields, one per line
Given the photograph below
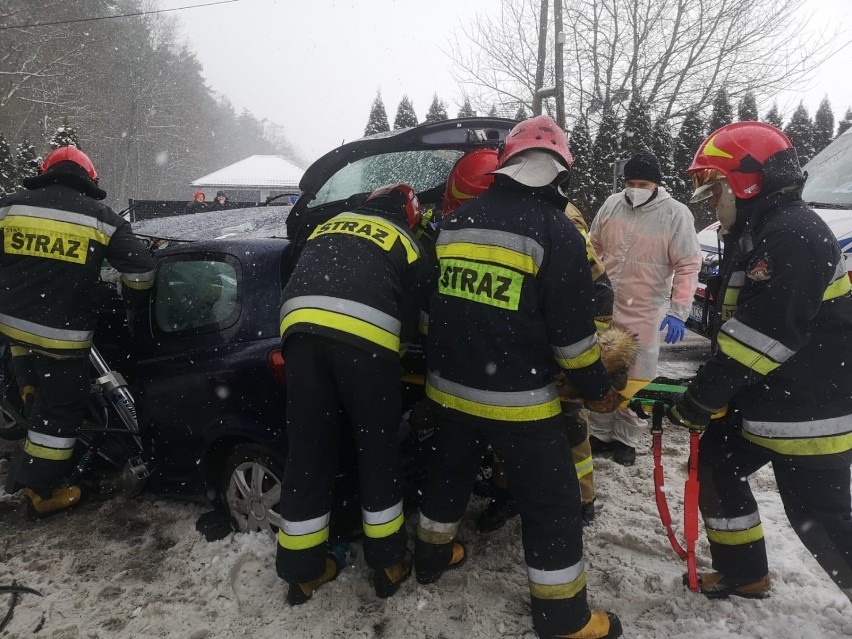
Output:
x=26 y=162
x=774 y=117
x=466 y=110
x=437 y=110
x=405 y=114
x=845 y=123
x=637 y=132
x=800 y=130
x=823 y=126
x=521 y=114
x=605 y=153
x=66 y=135
x=378 y=121
x=689 y=138
x=662 y=145
x=723 y=112
x=8 y=180
x=582 y=181
x=493 y=112
x=747 y=109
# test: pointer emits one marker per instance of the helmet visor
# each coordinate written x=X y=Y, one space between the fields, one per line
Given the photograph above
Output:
x=702 y=183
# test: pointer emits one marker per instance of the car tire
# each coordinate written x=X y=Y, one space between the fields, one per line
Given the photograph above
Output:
x=251 y=488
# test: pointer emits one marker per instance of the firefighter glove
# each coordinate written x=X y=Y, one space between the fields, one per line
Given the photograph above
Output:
x=607 y=404
x=688 y=413
x=676 y=329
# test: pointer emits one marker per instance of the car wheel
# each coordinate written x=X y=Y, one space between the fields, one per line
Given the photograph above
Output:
x=252 y=489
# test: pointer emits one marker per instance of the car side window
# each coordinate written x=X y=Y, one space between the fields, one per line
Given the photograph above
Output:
x=196 y=294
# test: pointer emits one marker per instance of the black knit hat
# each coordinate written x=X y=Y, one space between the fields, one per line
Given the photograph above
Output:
x=643 y=166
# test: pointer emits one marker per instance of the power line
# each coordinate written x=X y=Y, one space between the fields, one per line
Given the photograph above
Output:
x=122 y=15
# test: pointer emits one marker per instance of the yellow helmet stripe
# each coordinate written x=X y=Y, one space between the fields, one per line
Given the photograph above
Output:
x=713 y=151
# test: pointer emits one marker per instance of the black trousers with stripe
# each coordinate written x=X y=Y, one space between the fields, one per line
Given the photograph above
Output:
x=543 y=482
x=331 y=385
x=62 y=394
x=816 y=501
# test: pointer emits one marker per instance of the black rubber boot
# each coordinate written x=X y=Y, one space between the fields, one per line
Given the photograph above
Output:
x=431 y=561
x=388 y=580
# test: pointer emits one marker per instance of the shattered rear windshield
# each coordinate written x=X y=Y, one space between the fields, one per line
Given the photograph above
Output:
x=421 y=170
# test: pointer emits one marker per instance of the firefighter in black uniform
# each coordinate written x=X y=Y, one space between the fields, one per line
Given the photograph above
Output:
x=781 y=363
x=55 y=236
x=514 y=305
x=353 y=295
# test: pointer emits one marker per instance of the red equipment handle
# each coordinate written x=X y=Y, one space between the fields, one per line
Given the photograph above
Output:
x=690 y=497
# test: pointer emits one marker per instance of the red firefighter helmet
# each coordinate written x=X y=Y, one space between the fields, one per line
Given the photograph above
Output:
x=540 y=132
x=70 y=154
x=404 y=197
x=469 y=177
x=738 y=153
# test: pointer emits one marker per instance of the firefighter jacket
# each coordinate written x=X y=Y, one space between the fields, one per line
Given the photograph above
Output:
x=55 y=238
x=360 y=279
x=514 y=304
x=650 y=252
x=783 y=352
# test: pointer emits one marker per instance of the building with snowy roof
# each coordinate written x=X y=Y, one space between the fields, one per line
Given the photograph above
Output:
x=253 y=179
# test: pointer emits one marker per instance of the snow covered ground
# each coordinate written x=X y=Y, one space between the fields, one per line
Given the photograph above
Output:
x=137 y=569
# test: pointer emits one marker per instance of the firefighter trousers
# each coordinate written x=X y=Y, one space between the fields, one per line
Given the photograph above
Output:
x=61 y=394
x=537 y=460
x=816 y=501
x=331 y=385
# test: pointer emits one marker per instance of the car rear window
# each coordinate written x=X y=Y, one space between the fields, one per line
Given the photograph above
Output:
x=196 y=294
x=422 y=170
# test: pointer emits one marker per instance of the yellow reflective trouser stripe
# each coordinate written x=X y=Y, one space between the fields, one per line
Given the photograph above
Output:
x=558 y=591
x=502 y=413
x=838 y=288
x=44 y=342
x=42 y=452
x=582 y=360
x=736 y=537
x=746 y=356
x=345 y=323
x=494 y=254
x=377 y=531
x=584 y=467
x=437 y=537
x=302 y=542
x=804 y=446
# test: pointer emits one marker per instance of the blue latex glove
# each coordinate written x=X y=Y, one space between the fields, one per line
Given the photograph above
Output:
x=675 y=327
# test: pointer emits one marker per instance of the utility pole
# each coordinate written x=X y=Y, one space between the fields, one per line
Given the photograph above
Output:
x=542 y=56
x=557 y=91
x=559 y=43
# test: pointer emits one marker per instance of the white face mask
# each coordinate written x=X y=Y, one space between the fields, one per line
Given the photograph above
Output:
x=637 y=197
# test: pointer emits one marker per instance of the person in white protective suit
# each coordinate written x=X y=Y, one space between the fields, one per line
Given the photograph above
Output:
x=647 y=242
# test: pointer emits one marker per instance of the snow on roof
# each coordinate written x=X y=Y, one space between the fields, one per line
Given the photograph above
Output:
x=256 y=171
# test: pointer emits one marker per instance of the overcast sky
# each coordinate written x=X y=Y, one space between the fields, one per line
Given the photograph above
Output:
x=315 y=67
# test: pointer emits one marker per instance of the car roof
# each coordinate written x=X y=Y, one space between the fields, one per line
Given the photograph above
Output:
x=460 y=133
